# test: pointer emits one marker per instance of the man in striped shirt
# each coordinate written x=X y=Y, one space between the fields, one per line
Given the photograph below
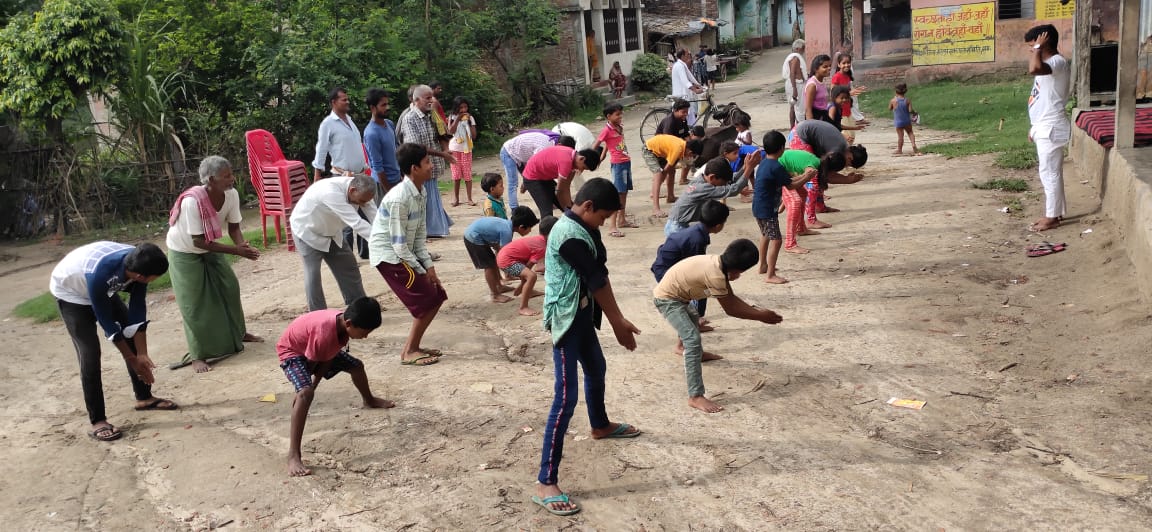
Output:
x=398 y=248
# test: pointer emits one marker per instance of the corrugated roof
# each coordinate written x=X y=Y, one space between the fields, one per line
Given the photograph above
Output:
x=675 y=26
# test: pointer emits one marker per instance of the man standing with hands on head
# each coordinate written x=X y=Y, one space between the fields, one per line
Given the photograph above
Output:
x=1050 y=126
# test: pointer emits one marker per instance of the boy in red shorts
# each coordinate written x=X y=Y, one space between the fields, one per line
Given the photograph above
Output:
x=315 y=345
x=398 y=248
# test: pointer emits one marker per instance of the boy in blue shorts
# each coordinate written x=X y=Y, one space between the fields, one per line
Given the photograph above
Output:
x=613 y=137
x=484 y=238
x=771 y=179
x=577 y=295
x=315 y=346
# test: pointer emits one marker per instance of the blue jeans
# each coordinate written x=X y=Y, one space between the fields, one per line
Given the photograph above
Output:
x=511 y=178
x=579 y=344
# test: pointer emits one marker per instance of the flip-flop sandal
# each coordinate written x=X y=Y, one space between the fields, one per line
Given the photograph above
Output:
x=547 y=501
x=418 y=361
x=159 y=404
x=616 y=234
x=106 y=433
x=622 y=432
x=1045 y=248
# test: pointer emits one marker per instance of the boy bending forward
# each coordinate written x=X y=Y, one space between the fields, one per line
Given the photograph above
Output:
x=315 y=345
x=697 y=278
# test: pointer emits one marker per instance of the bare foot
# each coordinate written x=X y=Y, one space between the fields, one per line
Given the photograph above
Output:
x=672 y=199
x=252 y=338
x=708 y=356
x=808 y=232
x=505 y=289
x=536 y=293
x=705 y=404
x=200 y=366
x=897 y=152
x=819 y=225
x=377 y=402
x=1044 y=224
x=518 y=290
x=659 y=214
x=500 y=298
x=455 y=203
x=774 y=279
x=296 y=467
x=830 y=209
x=797 y=250
x=763 y=270
x=704 y=327
x=528 y=312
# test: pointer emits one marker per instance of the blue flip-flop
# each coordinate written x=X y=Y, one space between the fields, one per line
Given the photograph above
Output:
x=563 y=497
x=621 y=432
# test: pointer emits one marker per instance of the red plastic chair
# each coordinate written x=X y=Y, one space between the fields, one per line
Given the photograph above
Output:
x=279 y=183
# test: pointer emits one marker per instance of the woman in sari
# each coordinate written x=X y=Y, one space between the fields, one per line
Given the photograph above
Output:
x=206 y=289
x=618 y=79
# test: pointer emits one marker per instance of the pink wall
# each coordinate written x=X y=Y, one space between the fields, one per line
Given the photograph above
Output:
x=820 y=22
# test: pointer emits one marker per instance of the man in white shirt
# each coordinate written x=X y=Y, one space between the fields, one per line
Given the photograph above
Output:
x=1050 y=126
x=339 y=138
x=318 y=222
x=684 y=84
x=795 y=73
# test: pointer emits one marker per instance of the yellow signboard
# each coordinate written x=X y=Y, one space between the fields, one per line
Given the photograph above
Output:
x=954 y=34
x=1055 y=9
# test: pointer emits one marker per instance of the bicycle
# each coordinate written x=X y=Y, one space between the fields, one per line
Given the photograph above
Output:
x=724 y=114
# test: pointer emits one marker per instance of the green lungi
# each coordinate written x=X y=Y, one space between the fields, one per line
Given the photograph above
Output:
x=208 y=295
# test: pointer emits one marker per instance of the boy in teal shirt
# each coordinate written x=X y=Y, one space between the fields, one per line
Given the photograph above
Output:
x=578 y=292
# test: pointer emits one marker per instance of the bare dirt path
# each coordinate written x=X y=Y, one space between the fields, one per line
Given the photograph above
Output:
x=1034 y=371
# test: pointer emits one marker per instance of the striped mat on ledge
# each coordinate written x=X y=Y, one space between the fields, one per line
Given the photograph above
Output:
x=1101 y=125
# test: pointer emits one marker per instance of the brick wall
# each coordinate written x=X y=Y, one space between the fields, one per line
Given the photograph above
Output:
x=681 y=8
x=560 y=62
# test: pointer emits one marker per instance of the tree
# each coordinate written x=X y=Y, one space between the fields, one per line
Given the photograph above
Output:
x=51 y=60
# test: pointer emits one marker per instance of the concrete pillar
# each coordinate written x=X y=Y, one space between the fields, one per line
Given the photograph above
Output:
x=1082 y=53
x=858 y=29
x=1126 y=73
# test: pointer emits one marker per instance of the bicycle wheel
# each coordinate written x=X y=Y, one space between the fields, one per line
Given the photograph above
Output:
x=651 y=122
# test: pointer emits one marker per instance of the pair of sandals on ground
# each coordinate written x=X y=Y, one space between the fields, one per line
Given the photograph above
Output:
x=108 y=432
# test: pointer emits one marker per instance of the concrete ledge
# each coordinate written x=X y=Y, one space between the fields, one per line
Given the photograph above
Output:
x=1125 y=196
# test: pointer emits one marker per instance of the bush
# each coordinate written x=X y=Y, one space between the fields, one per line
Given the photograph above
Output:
x=649 y=71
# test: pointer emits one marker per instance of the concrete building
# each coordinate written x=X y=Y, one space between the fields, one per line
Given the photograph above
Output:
x=608 y=30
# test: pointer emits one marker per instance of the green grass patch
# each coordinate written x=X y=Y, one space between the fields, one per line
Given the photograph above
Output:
x=1013 y=203
x=975 y=109
x=753 y=90
x=42 y=308
x=1006 y=185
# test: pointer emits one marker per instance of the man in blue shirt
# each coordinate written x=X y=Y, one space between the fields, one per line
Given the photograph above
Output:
x=86 y=285
x=380 y=141
x=691 y=242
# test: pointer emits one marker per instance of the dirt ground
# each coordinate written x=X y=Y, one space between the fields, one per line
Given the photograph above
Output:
x=1034 y=370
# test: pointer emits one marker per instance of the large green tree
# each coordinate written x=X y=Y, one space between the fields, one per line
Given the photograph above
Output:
x=52 y=59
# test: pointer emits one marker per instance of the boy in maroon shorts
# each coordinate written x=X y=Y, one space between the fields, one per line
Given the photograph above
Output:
x=315 y=345
x=399 y=249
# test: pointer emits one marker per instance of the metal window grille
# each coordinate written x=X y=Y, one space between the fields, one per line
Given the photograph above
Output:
x=611 y=31
x=1010 y=9
x=631 y=30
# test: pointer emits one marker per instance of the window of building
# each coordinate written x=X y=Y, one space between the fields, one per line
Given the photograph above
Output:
x=1010 y=9
x=611 y=31
x=631 y=30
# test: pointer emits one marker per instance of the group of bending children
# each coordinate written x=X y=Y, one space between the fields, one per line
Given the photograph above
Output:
x=578 y=294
